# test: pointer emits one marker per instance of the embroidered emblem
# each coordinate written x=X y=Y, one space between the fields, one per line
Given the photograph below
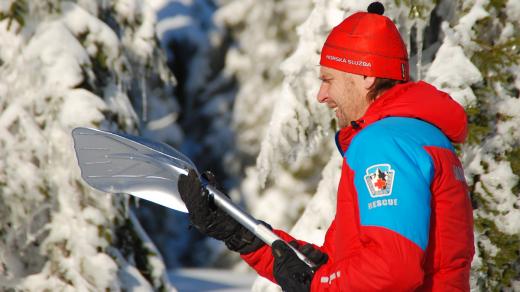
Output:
x=379 y=179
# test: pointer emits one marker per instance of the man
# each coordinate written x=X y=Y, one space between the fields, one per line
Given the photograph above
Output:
x=404 y=218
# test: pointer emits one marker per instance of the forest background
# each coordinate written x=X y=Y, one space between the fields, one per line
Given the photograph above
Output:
x=232 y=84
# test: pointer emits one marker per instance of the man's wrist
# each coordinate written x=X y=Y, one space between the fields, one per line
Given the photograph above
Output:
x=244 y=241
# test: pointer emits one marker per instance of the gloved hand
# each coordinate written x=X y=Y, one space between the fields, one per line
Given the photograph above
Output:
x=291 y=273
x=209 y=219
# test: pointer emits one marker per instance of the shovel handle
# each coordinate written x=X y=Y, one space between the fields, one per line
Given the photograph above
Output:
x=260 y=230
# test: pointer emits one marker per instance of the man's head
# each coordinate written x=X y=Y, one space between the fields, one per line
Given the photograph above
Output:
x=362 y=57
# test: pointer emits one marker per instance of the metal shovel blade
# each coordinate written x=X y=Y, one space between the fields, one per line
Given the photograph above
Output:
x=122 y=163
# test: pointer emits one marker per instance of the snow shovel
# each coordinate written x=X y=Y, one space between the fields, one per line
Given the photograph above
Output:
x=123 y=163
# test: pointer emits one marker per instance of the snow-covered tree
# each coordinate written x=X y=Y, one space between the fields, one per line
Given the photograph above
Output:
x=469 y=49
x=486 y=38
x=264 y=32
x=195 y=47
x=66 y=64
x=264 y=35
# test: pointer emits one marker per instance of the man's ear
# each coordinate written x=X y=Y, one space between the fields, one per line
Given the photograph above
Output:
x=368 y=81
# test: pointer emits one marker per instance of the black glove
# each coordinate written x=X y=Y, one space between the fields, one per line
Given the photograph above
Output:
x=209 y=219
x=291 y=273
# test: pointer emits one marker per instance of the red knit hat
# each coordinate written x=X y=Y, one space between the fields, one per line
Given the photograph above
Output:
x=367 y=43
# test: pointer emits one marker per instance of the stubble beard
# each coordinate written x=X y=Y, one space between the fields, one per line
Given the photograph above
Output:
x=342 y=122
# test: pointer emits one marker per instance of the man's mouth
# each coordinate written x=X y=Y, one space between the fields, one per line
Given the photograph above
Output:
x=332 y=105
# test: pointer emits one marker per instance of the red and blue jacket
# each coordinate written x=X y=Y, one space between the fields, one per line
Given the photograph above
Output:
x=404 y=218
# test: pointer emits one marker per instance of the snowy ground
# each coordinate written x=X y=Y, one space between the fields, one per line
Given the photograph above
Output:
x=191 y=280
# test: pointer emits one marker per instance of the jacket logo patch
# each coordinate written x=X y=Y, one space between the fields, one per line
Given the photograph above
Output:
x=379 y=179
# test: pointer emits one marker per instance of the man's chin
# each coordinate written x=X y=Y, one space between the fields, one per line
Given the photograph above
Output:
x=342 y=124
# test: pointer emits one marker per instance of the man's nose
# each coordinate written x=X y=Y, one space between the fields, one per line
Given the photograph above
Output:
x=322 y=94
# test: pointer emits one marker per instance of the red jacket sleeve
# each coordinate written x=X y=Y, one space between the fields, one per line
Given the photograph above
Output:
x=381 y=263
x=262 y=260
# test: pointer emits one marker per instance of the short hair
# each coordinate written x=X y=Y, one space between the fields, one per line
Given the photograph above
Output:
x=380 y=85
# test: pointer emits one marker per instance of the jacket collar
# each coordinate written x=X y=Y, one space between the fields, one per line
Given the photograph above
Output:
x=418 y=100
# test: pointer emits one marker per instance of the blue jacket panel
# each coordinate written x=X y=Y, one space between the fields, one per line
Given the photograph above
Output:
x=393 y=174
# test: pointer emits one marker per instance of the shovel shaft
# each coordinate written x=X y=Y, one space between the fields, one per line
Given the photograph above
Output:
x=260 y=230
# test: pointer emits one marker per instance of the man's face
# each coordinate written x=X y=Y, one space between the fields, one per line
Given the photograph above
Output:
x=345 y=92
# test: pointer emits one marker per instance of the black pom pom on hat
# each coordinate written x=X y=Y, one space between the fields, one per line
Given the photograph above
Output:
x=376 y=8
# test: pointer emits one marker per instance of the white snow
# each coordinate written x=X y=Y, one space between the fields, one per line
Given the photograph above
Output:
x=453 y=72
x=214 y=280
x=67 y=55
x=58 y=234
x=513 y=10
x=173 y=23
x=464 y=29
x=73 y=112
x=79 y=21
